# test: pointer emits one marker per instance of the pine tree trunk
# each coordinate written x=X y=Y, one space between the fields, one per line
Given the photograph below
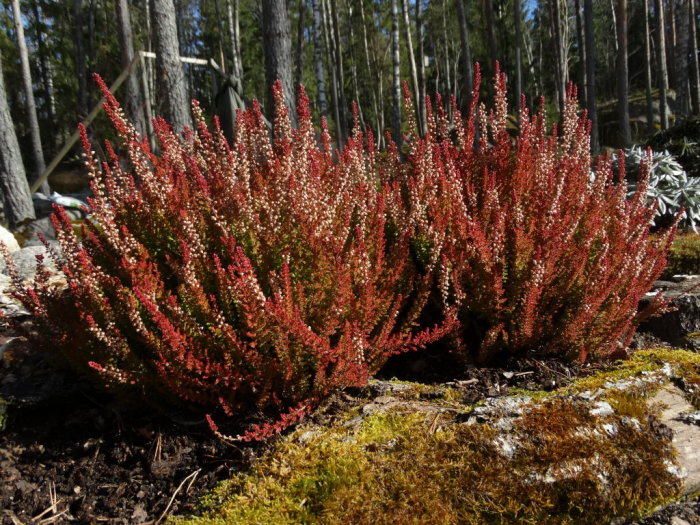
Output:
x=277 y=43
x=45 y=67
x=396 y=75
x=333 y=73
x=580 y=39
x=340 y=71
x=16 y=199
x=661 y=56
x=318 y=59
x=171 y=78
x=411 y=59
x=518 y=53
x=368 y=66
x=232 y=17
x=623 y=109
x=467 y=68
x=559 y=73
x=681 y=58
x=491 y=33
x=133 y=102
x=32 y=121
x=647 y=69
x=420 y=36
x=693 y=59
x=590 y=73
x=299 y=50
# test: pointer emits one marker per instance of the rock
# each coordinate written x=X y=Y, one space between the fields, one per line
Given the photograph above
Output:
x=686 y=436
x=9 y=240
x=43 y=226
x=674 y=327
x=26 y=261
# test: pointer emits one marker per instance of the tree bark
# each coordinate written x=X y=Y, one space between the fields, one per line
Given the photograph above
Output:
x=467 y=67
x=491 y=33
x=590 y=73
x=661 y=56
x=16 y=199
x=45 y=66
x=693 y=59
x=647 y=69
x=133 y=103
x=420 y=37
x=277 y=43
x=232 y=17
x=338 y=50
x=411 y=59
x=559 y=69
x=318 y=59
x=32 y=120
x=368 y=66
x=518 y=52
x=681 y=58
x=333 y=73
x=580 y=40
x=171 y=78
x=623 y=109
x=299 y=50
x=396 y=75
x=81 y=68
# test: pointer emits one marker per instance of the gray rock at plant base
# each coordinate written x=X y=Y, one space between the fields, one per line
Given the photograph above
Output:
x=686 y=436
x=9 y=240
x=674 y=327
x=26 y=260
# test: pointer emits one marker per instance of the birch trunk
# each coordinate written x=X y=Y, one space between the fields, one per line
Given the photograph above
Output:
x=396 y=75
x=590 y=73
x=647 y=69
x=661 y=56
x=411 y=59
x=318 y=59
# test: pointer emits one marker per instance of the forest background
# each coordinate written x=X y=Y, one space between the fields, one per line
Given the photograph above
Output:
x=635 y=61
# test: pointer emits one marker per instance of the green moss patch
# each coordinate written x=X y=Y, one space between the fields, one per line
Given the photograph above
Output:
x=684 y=256
x=584 y=454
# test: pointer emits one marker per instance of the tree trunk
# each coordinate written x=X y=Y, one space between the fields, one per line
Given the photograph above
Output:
x=693 y=59
x=32 y=121
x=45 y=67
x=375 y=106
x=623 y=109
x=467 y=67
x=338 y=50
x=81 y=69
x=16 y=199
x=353 y=66
x=661 y=56
x=318 y=59
x=277 y=43
x=491 y=33
x=580 y=41
x=559 y=73
x=671 y=46
x=232 y=17
x=330 y=58
x=420 y=36
x=411 y=59
x=396 y=75
x=133 y=103
x=647 y=69
x=681 y=58
x=171 y=78
x=518 y=52
x=299 y=51
x=590 y=73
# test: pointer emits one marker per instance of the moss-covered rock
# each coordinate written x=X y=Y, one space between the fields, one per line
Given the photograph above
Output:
x=583 y=454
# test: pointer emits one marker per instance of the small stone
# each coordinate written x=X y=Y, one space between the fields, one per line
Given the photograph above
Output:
x=602 y=408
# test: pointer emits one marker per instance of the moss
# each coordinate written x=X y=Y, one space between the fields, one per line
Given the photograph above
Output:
x=684 y=256
x=559 y=463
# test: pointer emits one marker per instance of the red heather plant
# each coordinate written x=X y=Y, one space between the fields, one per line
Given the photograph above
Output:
x=255 y=277
x=539 y=257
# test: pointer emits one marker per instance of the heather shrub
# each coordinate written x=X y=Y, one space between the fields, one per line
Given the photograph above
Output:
x=255 y=278
x=538 y=258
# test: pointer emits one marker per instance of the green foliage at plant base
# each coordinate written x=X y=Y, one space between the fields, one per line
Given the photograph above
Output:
x=684 y=256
